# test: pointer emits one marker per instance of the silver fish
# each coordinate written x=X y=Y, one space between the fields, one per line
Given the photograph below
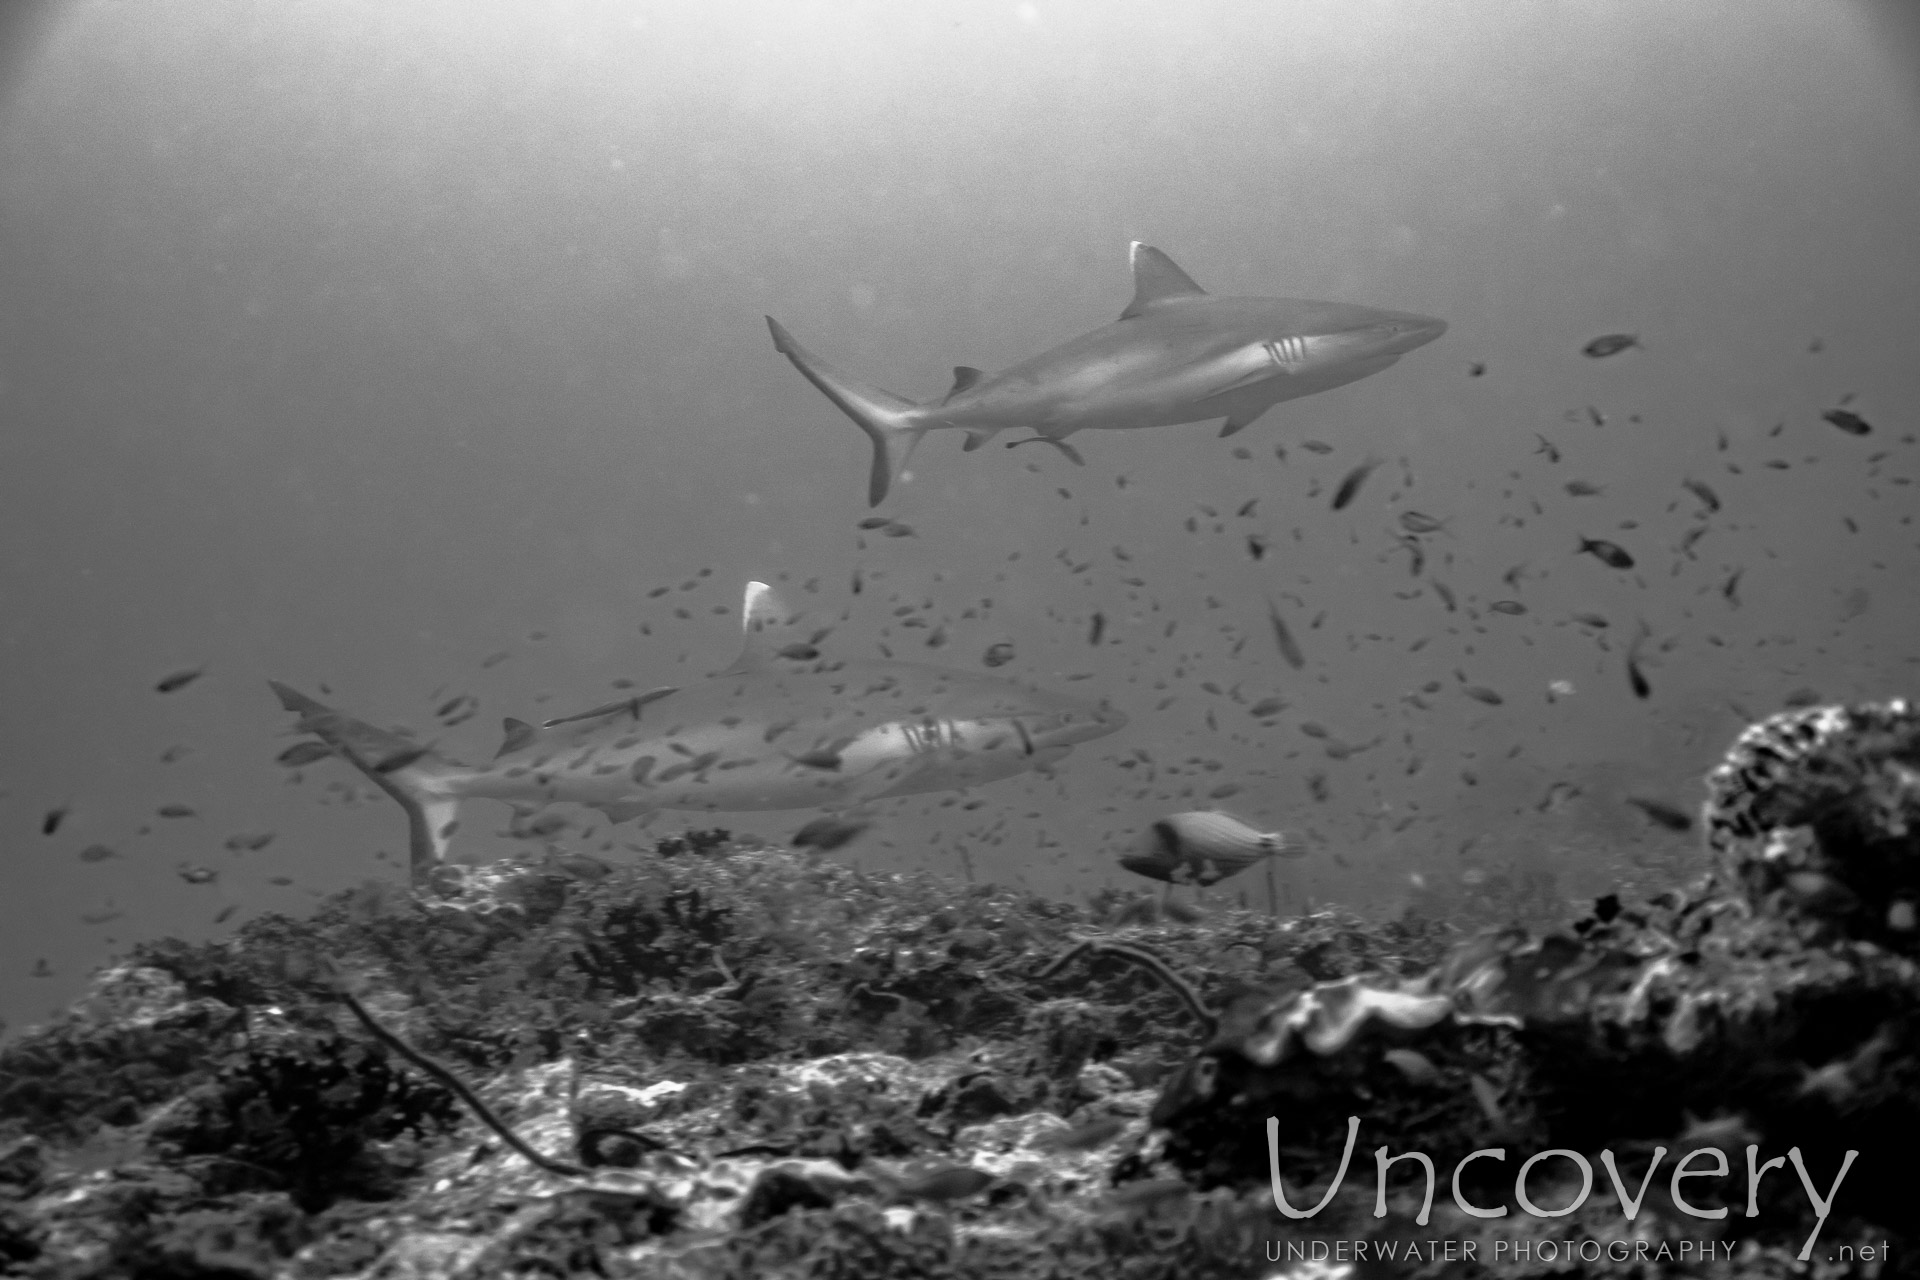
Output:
x=1205 y=847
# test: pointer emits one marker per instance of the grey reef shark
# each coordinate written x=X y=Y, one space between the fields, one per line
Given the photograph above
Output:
x=1177 y=354
x=783 y=727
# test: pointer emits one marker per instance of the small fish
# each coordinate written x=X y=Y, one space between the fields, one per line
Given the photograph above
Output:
x=174 y=753
x=457 y=710
x=797 y=652
x=1415 y=1066
x=998 y=655
x=249 y=842
x=897 y=529
x=96 y=853
x=1583 y=488
x=1547 y=447
x=1699 y=489
x=1610 y=344
x=1205 y=848
x=1670 y=816
x=1445 y=593
x=193 y=874
x=1316 y=446
x=1610 y=554
x=179 y=680
x=1420 y=522
x=1476 y=369
x=1731 y=588
x=51 y=823
x=1480 y=693
x=1283 y=639
x=1256 y=545
x=1084 y=1137
x=876 y=522
x=1266 y=707
x=948 y=1182
x=1350 y=486
x=1636 y=679
x=303 y=753
x=176 y=811
x=1590 y=620
x=1096 y=628
x=828 y=834
x=1848 y=421
x=1511 y=607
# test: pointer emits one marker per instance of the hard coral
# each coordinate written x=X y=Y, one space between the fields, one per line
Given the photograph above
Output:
x=1815 y=814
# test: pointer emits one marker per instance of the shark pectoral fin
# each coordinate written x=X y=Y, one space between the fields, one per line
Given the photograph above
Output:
x=1156 y=280
x=619 y=811
x=964 y=376
x=1043 y=760
x=977 y=438
x=764 y=620
x=1239 y=422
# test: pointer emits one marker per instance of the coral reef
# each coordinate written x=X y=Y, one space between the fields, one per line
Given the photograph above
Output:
x=728 y=1061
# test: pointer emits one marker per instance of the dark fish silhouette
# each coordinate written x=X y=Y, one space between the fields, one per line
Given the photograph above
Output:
x=828 y=834
x=1420 y=522
x=179 y=680
x=998 y=655
x=1609 y=344
x=1283 y=639
x=1708 y=498
x=51 y=823
x=1350 y=486
x=1610 y=554
x=1672 y=817
x=1848 y=421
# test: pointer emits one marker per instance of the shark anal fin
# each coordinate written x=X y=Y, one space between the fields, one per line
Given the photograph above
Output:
x=619 y=811
x=1156 y=280
x=964 y=376
x=977 y=438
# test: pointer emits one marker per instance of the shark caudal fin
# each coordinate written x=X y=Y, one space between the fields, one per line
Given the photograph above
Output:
x=418 y=779
x=887 y=419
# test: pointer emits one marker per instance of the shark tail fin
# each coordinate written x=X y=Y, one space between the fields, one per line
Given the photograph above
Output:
x=889 y=420
x=421 y=781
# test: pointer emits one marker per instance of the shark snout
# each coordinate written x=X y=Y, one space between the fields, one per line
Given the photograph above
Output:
x=1409 y=330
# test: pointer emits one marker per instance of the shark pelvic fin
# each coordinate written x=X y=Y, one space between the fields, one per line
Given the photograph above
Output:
x=1156 y=280
x=419 y=780
x=890 y=421
x=518 y=733
x=964 y=376
x=765 y=620
x=977 y=438
x=1067 y=451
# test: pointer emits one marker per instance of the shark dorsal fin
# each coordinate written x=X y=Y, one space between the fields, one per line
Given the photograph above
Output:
x=1156 y=280
x=964 y=376
x=518 y=734
x=764 y=620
